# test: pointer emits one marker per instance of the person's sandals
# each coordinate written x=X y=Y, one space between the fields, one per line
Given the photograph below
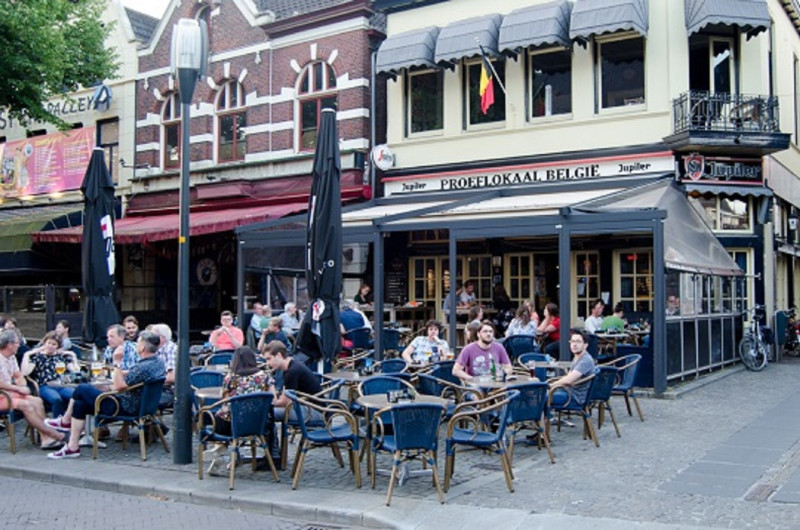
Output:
x=55 y=444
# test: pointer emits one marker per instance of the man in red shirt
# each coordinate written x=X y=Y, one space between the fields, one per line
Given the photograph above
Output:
x=227 y=336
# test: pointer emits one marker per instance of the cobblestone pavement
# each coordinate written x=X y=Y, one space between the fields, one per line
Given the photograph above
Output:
x=638 y=479
x=28 y=504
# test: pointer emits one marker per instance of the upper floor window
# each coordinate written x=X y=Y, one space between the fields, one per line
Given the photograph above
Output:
x=621 y=72
x=497 y=111
x=551 y=83
x=108 y=140
x=316 y=90
x=425 y=101
x=711 y=64
x=171 y=119
x=723 y=213
x=232 y=118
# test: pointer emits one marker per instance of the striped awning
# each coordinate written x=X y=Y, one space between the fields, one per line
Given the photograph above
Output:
x=752 y=16
x=595 y=17
x=407 y=50
x=142 y=229
x=539 y=25
x=460 y=39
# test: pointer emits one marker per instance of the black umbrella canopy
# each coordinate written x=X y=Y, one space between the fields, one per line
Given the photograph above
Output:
x=97 y=250
x=319 y=335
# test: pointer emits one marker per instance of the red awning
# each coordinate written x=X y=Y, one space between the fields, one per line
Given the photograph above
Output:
x=143 y=229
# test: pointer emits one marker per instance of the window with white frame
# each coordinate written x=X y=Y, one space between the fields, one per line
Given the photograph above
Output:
x=620 y=72
x=316 y=90
x=634 y=269
x=425 y=101
x=171 y=131
x=550 y=82
x=497 y=111
x=231 y=123
x=724 y=213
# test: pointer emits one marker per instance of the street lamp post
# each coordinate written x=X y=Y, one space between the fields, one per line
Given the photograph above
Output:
x=188 y=62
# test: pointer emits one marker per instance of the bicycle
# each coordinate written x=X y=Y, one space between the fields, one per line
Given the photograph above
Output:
x=754 y=346
x=791 y=342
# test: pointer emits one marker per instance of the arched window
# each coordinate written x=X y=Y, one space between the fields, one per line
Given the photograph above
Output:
x=316 y=90
x=232 y=120
x=171 y=120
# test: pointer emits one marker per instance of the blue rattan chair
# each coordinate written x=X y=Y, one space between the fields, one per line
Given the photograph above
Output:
x=393 y=366
x=516 y=345
x=339 y=426
x=575 y=406
x=627 y=368
x=251 y=424
x=391 y=340
x=600 y=395
x=414 y=434
x=529 y=411
x=221 y=357
x=481 y=424
x=525 y=358
x=148 y=415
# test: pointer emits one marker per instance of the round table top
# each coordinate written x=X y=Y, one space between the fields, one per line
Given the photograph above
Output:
x=209 y=392
x=613 y=336
x=379 y=401
x=97 y=382
x=348 y=376
x=487 y=382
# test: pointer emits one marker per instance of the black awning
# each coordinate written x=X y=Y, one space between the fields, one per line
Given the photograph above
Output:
x=407 y=50
x=460 y=39
x=752 y=16
x=728 y=190
x=539 y=25
x=595 y=17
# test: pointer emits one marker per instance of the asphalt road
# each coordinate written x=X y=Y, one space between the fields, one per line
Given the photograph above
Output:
x=30 y=504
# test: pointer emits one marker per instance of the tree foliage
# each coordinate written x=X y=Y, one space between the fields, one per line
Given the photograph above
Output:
x=51 y=48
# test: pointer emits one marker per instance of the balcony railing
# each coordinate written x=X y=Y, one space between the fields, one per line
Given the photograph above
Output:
x=737 y=113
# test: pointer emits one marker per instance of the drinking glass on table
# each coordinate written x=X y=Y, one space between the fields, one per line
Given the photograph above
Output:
x=61 y=367
x=97 y=369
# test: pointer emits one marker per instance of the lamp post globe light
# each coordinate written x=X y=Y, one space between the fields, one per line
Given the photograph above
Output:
x=189 y=55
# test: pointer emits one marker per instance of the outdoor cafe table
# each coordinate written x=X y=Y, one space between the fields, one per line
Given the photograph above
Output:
x=379 y=401
x=211 y=393
x=487 y=383
x=552 y=367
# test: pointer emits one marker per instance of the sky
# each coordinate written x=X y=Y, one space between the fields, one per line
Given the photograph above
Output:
x=154 y=8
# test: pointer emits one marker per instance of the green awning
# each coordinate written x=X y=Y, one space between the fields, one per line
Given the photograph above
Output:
x=17 y=224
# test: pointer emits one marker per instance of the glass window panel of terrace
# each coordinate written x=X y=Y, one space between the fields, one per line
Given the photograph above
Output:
x=621 y=73
x=425 y=101
x=551 y=83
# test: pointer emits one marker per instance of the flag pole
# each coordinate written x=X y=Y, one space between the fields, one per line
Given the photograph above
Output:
x=489 y=62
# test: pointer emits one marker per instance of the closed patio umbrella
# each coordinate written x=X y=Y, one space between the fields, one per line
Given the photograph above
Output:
x=97 y=251
x=319 y=335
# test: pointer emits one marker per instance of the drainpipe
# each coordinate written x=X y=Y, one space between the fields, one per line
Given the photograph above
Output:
x=373 y=102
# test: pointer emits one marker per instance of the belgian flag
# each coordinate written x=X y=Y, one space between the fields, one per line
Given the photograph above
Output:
x=486 y=87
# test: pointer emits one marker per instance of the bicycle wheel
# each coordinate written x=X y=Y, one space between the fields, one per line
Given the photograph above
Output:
x=753 y=353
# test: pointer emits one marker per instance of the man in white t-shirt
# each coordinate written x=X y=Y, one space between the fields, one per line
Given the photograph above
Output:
x=595 y=320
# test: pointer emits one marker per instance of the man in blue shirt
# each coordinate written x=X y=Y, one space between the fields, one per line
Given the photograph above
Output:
x=149 y=368
x=118 y=345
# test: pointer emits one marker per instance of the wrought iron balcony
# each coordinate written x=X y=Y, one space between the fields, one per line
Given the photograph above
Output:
x=726 y=123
